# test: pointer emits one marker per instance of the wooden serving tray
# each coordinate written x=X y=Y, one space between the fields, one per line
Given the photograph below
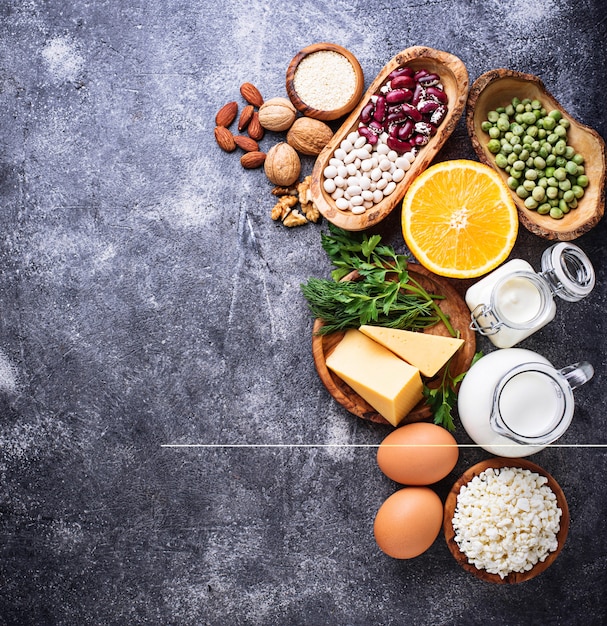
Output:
x=453 y=305
x=454 y=78
x=497 y=88
x=450 y=503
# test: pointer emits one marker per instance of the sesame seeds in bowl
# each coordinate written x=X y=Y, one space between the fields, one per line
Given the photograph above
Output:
x=324 y=81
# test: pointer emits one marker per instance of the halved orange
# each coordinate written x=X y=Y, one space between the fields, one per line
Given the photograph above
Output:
x=459 y=219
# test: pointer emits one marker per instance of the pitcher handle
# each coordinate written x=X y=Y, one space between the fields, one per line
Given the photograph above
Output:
x=578 y=373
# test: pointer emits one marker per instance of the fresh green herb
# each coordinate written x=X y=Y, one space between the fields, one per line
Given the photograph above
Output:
x=443 y=398
x=385 y=295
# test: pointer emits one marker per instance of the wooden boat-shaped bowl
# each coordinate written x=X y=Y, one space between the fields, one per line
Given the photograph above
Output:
x=451 y=501
x=454 y=78
x=497 y=88
x=452 y=305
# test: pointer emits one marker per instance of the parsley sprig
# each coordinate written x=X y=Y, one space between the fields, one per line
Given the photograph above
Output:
x=385 y=295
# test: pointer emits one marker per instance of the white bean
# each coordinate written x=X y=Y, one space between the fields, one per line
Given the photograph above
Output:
x=378 y=196
x=356 y=201
x=330 y=171
x=342 y=204
x=390 y=187
x=376 y=174
x=358 y=210
x=354 y=190
x=329 y=185
x=340 y=154
x=398 y=175
x=352 y=169
x=365 y=182
x=360 y=142
x=366 y=165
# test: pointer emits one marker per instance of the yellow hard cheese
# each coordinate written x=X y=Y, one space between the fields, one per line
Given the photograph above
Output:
x=426 y=352
x=391 y=386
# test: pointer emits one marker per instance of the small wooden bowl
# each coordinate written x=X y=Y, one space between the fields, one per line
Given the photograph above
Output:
x=451 y=501
x=453 y=305
x=454 y=78
x=319 y=114
x=497 y=88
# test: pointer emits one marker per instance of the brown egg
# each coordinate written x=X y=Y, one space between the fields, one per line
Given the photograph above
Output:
x=408 y=522
x=418 y=454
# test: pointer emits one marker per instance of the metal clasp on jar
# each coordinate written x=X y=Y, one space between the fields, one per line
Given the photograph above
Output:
x=491 y=325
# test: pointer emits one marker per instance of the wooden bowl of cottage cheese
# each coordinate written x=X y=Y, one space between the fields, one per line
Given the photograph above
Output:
x=324 y=81
x=506 y=520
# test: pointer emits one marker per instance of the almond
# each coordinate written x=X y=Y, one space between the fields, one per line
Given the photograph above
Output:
x=251 y=160
x=255 y=129
x=225 y=139
x=246 y=143
x=245 y=117
x=251 y=94
x=227 y=114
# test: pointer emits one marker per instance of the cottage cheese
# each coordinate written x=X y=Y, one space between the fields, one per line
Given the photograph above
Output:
x=506 y=520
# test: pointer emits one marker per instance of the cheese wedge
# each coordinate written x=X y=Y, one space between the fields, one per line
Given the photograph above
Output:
x=426 y=352
x=391 y=386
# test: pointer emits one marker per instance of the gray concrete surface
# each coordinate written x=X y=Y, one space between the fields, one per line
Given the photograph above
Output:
x=147 y=299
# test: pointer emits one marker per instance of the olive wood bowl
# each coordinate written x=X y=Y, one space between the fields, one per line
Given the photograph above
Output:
x=497 y=88
x=449 y=510
x=454 y=78
x=319 y=114
x=452 y=305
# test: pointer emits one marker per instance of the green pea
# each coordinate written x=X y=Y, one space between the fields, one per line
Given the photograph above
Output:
x=552 y=138
x=538 y=193
x=564 y=123
x=569 y=152
x=515 y=140
x=509 y=110
x=556 y=213
x=528 y=118
x=560 y=147
x=513 y=183
x=568 y=196
x=561 y=131
x=516 y=101
x=565 y=185
x=502 y=161
x=571 y=168
x=578 y=159
x=520 y=107
x=539 y=162
x=553 y=182
x=544 y=152
x=552 y=192
x=500 y=110
x=543 y=182
x=486 y=125
x=493 y=116
x=494 y=146
x=583 y=181
x=503 y=124
x=544 y=209
x=521 y=192
x=560 y=173
x=519 y=165
x=549 y=171
x=531 y=174
x=548 y=123
x=512 y=157
x=563 y=206
x=494 y=132
x=555 y=114
x=541 y=133
x=578 y=192
x=560 y=161
x=516 y=173
x=506 y=147
x=529 y=185
x=531 y=203
x=573 y=204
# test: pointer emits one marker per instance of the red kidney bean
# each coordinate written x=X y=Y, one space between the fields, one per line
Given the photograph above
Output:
x=412 y=112
x=369 y=135
x=380 y=109
x=438 y=94
x=429 y=80
x=404 y=81
x=420 y=74
x=424 y=128
x=401 y=71
x=396 y=96
x=367 y=112
x=396 y=115
x=439 y=115
x=420 y=140
x=406 y=130
x=418 y=93
x=398 y=144
x=427 y=106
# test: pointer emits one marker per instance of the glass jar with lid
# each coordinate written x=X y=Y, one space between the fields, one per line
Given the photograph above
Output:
x=514 y=301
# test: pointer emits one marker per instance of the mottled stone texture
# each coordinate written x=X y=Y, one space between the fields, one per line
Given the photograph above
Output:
x=147 y=299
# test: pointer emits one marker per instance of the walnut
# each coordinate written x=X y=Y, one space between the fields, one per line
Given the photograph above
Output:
x=283 y=207
x=305 y=199
x=294 y=218
x=284 y=191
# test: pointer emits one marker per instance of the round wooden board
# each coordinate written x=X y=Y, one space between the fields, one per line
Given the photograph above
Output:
x=453 y=305
x=451 y=501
